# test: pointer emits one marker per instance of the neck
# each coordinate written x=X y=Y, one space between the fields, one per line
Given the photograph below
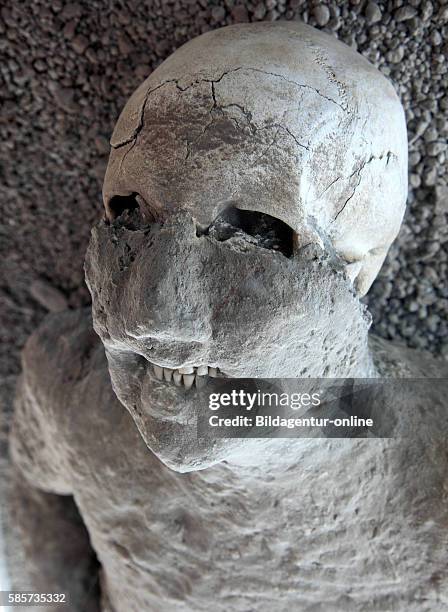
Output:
x=359 y=363
x=350 y=356
x=270 y=456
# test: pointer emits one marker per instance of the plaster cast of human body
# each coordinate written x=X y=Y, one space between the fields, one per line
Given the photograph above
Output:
x=256 y=181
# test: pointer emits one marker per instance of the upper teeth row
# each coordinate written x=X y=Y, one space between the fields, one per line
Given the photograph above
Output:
x=186 y=376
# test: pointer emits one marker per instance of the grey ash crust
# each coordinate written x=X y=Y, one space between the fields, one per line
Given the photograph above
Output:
x=70 y=67
x=358 y=507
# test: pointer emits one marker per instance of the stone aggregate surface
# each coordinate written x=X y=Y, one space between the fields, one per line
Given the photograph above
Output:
x=66 y=70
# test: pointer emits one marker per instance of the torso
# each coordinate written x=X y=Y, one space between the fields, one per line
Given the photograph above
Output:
x=319 y=535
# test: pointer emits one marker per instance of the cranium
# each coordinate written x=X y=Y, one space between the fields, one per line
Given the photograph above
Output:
x=256 y=181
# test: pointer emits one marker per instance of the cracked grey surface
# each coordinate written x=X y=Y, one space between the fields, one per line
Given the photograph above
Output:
x=298 y=127
x=358 y=173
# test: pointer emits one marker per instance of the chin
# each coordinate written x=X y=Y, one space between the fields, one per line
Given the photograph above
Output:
x=166 y=413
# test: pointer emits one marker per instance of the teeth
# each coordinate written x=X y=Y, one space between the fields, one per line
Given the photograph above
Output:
x=186 y=370
x=158 y=371
x=186 y=376
x=188 y=380
x=167 y=374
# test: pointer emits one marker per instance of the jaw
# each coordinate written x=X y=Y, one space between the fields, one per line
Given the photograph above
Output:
x=240 y=310
x=166 y=412
x=166 y=402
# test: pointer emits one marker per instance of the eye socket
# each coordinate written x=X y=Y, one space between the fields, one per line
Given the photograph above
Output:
x=129 y=211
x=258 y=228
x=118 y=204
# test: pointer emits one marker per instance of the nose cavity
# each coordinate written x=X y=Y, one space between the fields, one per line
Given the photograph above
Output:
x=255 y=227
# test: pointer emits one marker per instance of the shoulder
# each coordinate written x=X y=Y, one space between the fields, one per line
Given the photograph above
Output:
x=57 y=357
x=60 y=348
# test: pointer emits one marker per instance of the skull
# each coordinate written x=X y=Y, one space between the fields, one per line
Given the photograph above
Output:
x=256 y=181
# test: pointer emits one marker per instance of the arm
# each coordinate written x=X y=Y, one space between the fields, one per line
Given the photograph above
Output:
x=35 y=448
x=55 y=362
x=58 y=554
x=56 y=547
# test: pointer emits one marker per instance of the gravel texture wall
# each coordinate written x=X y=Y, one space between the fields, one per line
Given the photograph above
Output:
x=66 y=70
